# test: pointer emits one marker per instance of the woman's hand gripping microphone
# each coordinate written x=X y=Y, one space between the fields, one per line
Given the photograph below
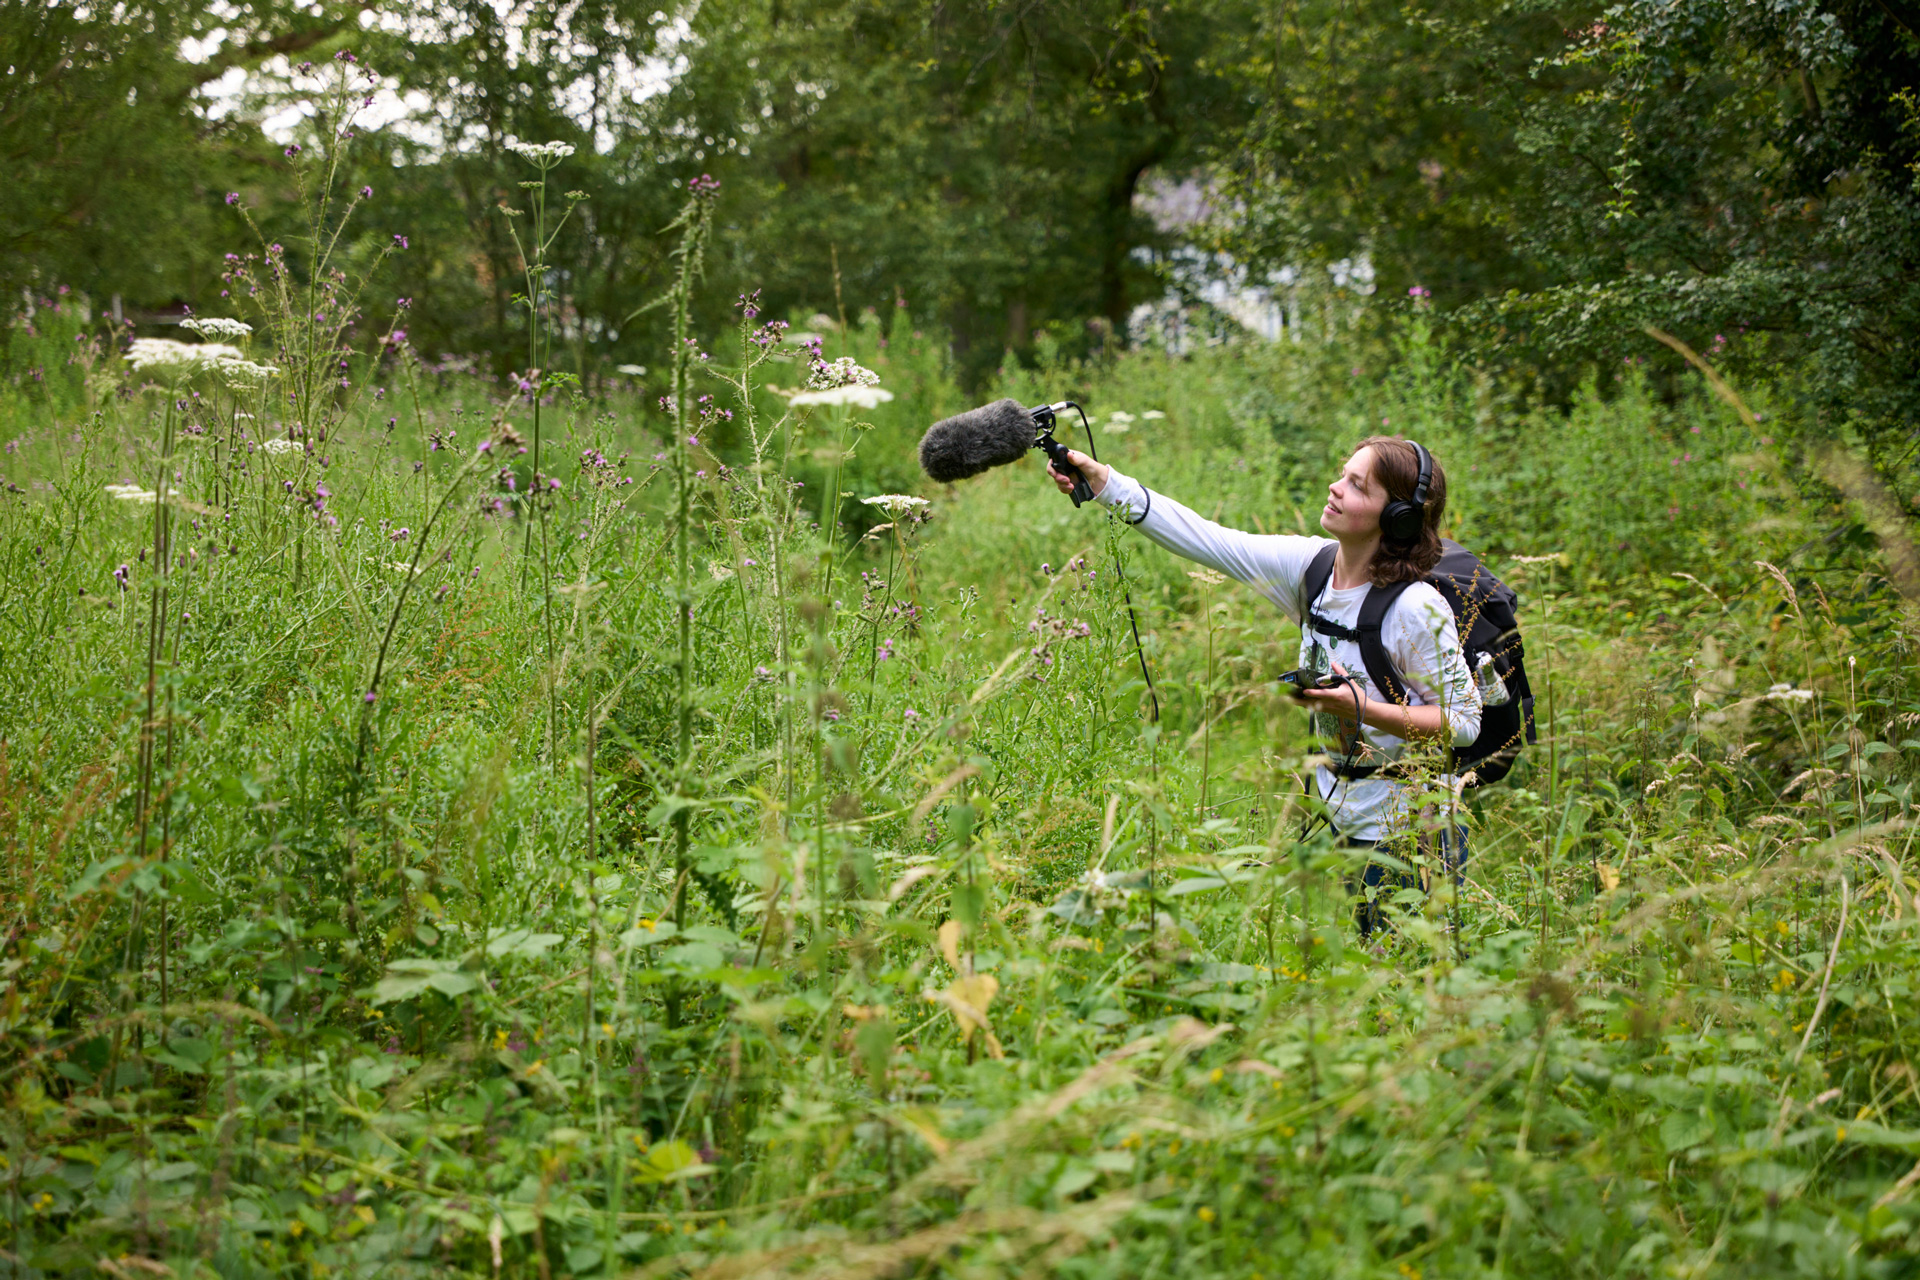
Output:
x=1092 y=474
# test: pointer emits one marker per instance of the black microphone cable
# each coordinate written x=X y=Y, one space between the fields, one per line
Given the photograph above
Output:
x=1120 y=572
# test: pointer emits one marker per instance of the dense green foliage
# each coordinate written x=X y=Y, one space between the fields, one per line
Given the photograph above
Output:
x=457 y=832
x=593 y=822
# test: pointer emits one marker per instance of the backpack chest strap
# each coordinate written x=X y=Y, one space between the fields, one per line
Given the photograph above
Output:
x=1331 y=629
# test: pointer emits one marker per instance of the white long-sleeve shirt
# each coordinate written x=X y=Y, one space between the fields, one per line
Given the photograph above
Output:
x=1418 y=632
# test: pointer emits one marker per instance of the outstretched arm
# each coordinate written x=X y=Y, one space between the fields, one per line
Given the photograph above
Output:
x=1274 y=564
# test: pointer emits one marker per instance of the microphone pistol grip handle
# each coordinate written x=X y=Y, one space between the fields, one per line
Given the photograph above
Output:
x=1057 y=457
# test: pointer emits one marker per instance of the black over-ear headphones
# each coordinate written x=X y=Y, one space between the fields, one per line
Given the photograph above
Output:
x=1401 y=522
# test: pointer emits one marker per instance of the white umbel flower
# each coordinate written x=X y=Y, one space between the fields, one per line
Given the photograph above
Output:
x=864 y=397
x=216 y=327
x=631 y=370
x=897 y=504
x=244 y=375
x=544 y=154
x=134 y=493
x=841 y=373
x=165 y=353
x=279 y=445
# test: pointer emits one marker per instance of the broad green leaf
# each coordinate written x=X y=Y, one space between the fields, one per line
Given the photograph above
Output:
x=452 y=984
x=1684 y=1129
x=1194 y=884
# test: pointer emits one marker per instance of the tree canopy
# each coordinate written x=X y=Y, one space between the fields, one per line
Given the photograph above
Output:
x=1557 y=176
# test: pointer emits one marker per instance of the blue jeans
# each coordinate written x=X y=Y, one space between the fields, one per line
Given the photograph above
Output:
x=1450 y=845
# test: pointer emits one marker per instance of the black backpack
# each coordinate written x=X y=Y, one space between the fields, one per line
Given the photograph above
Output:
x=1483 y=609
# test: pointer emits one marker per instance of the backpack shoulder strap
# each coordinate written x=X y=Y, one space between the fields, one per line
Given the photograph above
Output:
x=1380 y=669
x=1319 y=573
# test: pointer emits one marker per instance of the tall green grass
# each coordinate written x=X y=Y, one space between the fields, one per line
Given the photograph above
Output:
x=411 y=869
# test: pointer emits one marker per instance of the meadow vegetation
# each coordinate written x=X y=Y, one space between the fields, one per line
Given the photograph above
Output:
x=464 y=827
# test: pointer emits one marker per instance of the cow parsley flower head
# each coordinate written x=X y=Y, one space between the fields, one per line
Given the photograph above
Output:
x=863 y=397
x=897 y=504
x=216 y=327
x=543 y=154
x=282 y=446
x=631 y=370
x=244 y=375
x=840 y=373
x=134 y=493
x=165 y=353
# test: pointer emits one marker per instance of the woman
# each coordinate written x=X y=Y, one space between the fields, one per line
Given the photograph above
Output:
x=1365 y=795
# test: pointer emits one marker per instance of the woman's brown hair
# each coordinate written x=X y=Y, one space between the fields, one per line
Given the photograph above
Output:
x=1397 y=466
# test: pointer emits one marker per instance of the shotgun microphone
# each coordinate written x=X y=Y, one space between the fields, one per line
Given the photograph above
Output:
x=995 y=434
x=992 y=436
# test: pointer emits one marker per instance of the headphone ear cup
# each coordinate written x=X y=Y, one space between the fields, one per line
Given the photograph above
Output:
x=1400 y=522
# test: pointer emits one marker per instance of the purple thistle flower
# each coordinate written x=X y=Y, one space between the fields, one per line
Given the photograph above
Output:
x=400 y=240
x=233 y=197
x=366 y=193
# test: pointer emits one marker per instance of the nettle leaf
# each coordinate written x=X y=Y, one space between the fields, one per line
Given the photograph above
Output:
x=1685 y=1129
x=1075 y=906
x=638 y=936
x=717 y=859
x=394 y=988
x=452 y=984
x=409 y=978
x=673 y=1162
x=1194 y=884
x=524 y=943
x=663 y=813
x=694 y=957
x=192 y=1048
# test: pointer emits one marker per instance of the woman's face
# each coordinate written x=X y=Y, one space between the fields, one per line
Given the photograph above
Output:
x=1355 y=500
